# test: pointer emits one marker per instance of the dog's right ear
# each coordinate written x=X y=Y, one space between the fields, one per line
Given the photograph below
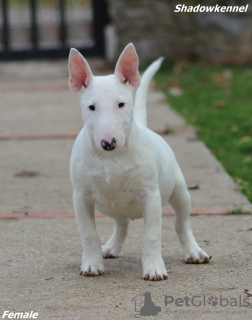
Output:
x=80 y=73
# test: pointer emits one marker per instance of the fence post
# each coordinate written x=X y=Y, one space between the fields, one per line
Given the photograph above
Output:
x=5 y=24
x=34 y=26
x=99 y=9
x=62 y=23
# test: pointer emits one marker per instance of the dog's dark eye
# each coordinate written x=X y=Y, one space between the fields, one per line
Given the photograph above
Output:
x=121 y=104
x=92 y=107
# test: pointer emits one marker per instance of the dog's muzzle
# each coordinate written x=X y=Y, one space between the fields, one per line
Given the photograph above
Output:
x=108 y=145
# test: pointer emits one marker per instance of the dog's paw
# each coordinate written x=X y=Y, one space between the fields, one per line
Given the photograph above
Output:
x=198 y=256
x=92 y=268
x=110 y=251
x=154 y=268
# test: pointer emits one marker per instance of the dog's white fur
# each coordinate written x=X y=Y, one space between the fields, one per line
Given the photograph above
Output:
x=134 y=179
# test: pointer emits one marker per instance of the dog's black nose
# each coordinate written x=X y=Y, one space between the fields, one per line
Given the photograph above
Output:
x=108 y=145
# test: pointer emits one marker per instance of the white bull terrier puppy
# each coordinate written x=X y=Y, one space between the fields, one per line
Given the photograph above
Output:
x=124 y=169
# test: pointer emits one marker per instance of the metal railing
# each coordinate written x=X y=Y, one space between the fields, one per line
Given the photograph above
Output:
x=35 y=51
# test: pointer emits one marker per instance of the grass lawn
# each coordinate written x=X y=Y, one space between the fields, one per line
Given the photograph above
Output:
x=218 y=103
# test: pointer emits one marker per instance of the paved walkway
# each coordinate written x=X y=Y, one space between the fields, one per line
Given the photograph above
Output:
x=39 y=120
x=40 y=257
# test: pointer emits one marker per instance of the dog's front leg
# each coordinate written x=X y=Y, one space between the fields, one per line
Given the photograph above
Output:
x=152 y=261
x=92 y=261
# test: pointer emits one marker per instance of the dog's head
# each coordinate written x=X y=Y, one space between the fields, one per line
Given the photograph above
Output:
x=107 y=102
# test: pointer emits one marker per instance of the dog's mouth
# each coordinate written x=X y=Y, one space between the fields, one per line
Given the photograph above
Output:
x=108 y=146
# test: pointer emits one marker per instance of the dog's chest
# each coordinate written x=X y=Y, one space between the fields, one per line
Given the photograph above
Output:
x=117 y=189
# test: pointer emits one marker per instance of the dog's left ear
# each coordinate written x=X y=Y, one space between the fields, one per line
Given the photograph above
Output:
x=127 y=66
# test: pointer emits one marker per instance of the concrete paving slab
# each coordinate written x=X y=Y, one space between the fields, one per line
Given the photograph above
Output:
x=40 y=262
x=160 y=115
x=49 y=189
x=40 y=112
x=216 y=189
x=43 y=70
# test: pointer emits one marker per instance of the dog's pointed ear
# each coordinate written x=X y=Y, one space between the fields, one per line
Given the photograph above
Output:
x=80 y=73
x=127 y=66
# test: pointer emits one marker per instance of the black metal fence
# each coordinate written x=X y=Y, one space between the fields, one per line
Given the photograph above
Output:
x=34 y=48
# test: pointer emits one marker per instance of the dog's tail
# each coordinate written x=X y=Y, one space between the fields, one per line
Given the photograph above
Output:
x=141 y=94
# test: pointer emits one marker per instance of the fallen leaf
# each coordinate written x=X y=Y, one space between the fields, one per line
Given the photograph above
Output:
x=245 y=139
x=153 y=85
x=193 y=187
x=174 y=83
x=227 y=74
x=205 y=77
x=248 y=293
x=177 y=69
x=218 y=104
x=176 y=91
x=192 y=138
x=238 y=188
x=25 y=173
x=171 y=83
x=222 y=80
x=247 y=159
x=234 y=129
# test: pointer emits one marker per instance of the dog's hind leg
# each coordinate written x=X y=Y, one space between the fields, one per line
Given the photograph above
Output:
x=114 y=245
x=181 y=202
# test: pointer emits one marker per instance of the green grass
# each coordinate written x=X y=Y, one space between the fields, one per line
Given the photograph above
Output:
x=218 y=103
x=237 y=212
